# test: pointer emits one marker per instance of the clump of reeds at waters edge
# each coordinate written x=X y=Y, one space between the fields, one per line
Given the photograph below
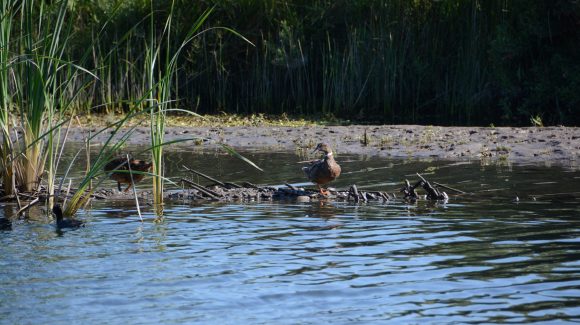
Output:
x=42 y=86
x=38 y=86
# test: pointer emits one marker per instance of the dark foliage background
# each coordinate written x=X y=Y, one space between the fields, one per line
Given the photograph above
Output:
x=443 y=62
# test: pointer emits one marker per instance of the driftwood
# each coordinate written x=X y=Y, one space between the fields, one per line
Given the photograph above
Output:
x=222 y=191
x=204 y=176
x=201 y=189
x=224 y=184
x=353 y=192
x=28 y=206
x=432 y=193
x=449 y=188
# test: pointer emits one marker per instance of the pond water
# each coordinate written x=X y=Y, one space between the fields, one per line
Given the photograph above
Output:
x=482 y=257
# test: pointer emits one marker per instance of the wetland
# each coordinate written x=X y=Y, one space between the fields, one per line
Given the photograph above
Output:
x=480 y=257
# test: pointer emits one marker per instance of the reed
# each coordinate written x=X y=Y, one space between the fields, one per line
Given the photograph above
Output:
x=95 y=171
x=6 y=148
x=41 y=87
x=161 y=61
x=38 y=86
x=160 y=80
x=119 y=132
x=444 y=62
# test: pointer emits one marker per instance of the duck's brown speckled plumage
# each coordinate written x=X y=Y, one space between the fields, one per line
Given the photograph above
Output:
x=325 y=170
x=124 y=177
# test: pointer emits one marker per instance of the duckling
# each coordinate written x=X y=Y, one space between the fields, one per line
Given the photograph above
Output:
x=125 y=177
x=322 y=171
x=61 y=222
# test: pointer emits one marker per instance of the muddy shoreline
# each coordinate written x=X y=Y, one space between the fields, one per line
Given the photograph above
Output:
x=559 y=145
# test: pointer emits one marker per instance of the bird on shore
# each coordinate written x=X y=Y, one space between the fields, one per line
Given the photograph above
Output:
x=322 y=171
x=64 y=223
x=124 y=171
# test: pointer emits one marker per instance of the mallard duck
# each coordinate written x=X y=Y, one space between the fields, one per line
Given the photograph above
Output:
x=125 y=177
x=61 y=222
x=324 y=170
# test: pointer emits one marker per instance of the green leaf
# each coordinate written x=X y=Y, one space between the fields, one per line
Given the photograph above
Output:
x=234 y=153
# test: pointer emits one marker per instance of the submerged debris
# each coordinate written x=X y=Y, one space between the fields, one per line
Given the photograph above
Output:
x=432 y=193
x=226 y=192
x=221 y=191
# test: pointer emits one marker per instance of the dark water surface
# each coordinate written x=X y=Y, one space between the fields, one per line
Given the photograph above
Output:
x=480 y=258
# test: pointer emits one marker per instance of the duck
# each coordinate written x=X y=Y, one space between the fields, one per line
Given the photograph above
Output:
x=61 y=222
x=322 y=171
x=125 y=177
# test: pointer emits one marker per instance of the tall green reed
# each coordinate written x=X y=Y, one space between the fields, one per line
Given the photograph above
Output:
x=156 y=90
x=160 y=66
x=161 y=61
x=389 y=61
x=38 y=86
x=7 y=167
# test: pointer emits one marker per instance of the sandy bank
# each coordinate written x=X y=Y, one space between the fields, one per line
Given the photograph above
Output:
x=556 y=144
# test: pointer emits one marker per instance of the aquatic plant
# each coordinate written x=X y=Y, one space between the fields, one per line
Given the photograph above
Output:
x=37 y=85
x=6 y=147
x=96 y=170
x=160 y=78
x=160 y=87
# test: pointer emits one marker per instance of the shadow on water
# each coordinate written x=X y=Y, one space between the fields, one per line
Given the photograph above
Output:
x=7 y=216
x=5 y=224
x=482 y=257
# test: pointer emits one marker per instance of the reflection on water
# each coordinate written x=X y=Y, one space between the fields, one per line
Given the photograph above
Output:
x=479 y=258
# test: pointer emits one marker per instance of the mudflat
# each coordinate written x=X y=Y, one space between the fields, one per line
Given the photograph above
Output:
x=560 y=145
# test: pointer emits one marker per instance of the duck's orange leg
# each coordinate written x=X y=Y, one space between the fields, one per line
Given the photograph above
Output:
x=323 y=192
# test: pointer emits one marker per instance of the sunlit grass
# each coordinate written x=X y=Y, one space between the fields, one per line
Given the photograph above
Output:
x=222 y=120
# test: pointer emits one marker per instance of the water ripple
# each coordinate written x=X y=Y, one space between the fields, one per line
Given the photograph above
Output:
x=480 y=260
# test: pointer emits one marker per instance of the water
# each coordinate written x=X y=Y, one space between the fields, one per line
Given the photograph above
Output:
x=479 y=258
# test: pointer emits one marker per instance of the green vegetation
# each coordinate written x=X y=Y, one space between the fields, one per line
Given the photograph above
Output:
x=431 y=62
x=187 y=120
x=472 y=62
x=96 y=168
x=38 y=85
x=395 y=61
x=160 y=76
x=44 y=81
